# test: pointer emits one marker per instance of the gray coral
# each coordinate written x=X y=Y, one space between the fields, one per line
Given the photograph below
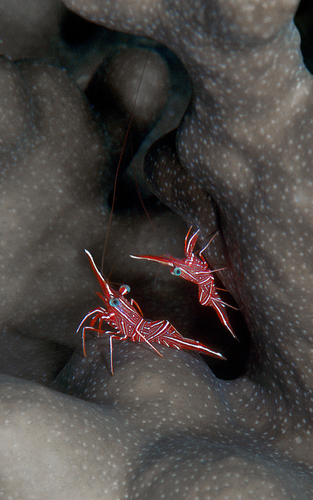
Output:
x=162 y=428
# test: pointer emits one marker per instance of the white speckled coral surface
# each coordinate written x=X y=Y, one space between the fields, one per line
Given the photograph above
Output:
x=162 y=428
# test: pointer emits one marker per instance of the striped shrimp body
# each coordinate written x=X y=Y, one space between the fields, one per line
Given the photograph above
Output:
x=196 y=269
x=127 y=320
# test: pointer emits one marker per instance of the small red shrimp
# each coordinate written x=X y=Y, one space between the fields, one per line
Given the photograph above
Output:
x=196 y=269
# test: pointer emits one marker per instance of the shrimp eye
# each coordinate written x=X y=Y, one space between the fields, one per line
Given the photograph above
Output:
x=124 y=289
x=177 y=271
x=114 y=302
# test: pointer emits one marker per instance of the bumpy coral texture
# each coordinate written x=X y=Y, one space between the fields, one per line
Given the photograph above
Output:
x=162 y=428
x=35 y=38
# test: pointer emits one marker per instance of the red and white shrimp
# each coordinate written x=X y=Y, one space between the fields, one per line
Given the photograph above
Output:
x=196 y=269
x=127 y=320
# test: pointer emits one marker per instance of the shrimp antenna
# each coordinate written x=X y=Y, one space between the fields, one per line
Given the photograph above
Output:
x=120 y=161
